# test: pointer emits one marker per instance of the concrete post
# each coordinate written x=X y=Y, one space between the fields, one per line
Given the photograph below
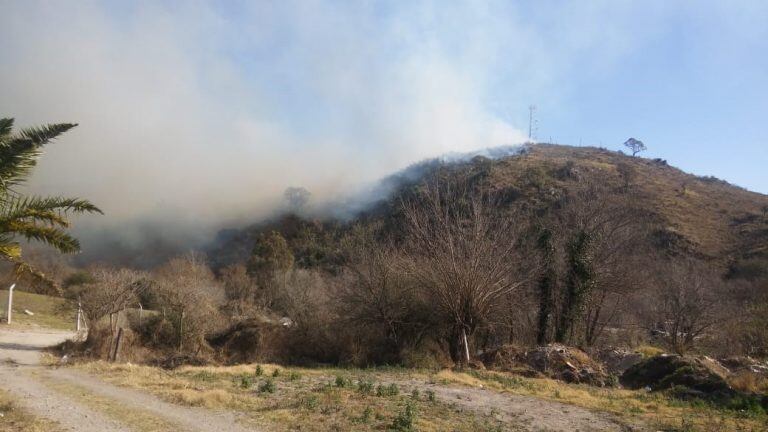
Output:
x=10 y=302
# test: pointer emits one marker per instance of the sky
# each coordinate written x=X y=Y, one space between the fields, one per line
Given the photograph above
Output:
x=201 y=111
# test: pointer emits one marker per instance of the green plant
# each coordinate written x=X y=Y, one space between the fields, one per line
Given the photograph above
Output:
x=365 y=386
x=310 y=402
x=341 y=382
x=415 y=394
x=294 y=376
x=259 y=371
x=246 y=381
x=268 y=386
x=276 y=373
x=404 y=420
x=431 y=396
x=390 y=390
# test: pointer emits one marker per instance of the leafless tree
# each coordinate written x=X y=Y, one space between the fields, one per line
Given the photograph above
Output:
x=685 y=304
x=376 y=295
x=190 y=297
x=109 y=292
x=462 y=251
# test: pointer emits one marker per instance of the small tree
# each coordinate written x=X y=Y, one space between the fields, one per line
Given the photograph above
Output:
x=189 y=296
x=462 y=251
x=636 y=146
x=685 y=305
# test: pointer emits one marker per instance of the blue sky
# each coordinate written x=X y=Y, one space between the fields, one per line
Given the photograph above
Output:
x=203 y=108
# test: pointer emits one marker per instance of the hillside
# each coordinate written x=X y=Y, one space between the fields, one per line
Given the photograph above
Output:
x=703 y=217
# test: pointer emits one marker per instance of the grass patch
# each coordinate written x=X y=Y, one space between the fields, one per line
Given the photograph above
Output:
x=49 y=312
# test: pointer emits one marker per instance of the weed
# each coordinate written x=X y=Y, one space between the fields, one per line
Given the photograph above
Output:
x=276 y=373
x=404 y=420
x=341 y=382
x=246 y=381
x=431 y=396
x=310 y=402
x=268 y=386
x=259 y=371
x=294 y=376
x=390 y=390
x=365 y=386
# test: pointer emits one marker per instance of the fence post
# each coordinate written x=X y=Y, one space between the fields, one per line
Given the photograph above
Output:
x=10 y=302
x=118 y=341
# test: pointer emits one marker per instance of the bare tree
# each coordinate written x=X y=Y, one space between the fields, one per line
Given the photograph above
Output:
x=376 y=295
x=109 y=291
x=635 y=145
x=462 y=252
x=190 y=297
x=684 y=305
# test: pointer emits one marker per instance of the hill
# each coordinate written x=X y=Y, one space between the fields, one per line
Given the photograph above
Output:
x=695 y=216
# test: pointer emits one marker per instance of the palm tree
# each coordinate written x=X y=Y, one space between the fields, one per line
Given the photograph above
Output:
x=42 y=219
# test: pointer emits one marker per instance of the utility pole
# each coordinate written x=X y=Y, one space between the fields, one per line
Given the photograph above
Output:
x=531 y=121
x=10 y=302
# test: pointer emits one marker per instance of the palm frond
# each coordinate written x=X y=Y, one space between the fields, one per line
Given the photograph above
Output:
x=23 y=269
x=58 y=204
x=41 y=135
x=6 y=125
x=52 y=236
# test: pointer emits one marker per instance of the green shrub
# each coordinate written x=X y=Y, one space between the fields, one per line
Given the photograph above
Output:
x=294 y=376
x=276 y=373
x=268 y=386
x=365 y=386
x=246 y=381
x=390 y=390
x=259 y=371
x=404 y=420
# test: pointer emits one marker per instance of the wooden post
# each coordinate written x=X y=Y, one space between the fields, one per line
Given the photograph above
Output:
x=181 y=328
x=10 y=302
x=118 y=342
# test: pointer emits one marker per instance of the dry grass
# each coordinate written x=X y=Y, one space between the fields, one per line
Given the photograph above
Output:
x=749 y=382
x=49 y=312
x=312 y=401
x=15 y=419
x=635 y=406
x=303 y=399
x=649 y=351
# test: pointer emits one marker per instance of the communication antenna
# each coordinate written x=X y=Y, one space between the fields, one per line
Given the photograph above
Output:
x=532 y=122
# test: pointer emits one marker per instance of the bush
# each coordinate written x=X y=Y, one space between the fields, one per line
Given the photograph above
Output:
x=405 y=419
x=268 y=386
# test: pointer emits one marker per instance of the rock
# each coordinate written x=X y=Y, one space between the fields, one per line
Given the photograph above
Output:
x=616 y=361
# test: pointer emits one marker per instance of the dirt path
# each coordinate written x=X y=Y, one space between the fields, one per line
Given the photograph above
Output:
x=22 y=376
x=35 y=386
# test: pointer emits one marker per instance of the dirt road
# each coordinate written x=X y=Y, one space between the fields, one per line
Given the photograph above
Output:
x=81 y=402
x=39 y=390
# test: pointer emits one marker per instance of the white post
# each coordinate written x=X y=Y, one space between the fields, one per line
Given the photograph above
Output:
x=141 y=312
x=79 y=315
x=466 y=344
x=10 y=301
